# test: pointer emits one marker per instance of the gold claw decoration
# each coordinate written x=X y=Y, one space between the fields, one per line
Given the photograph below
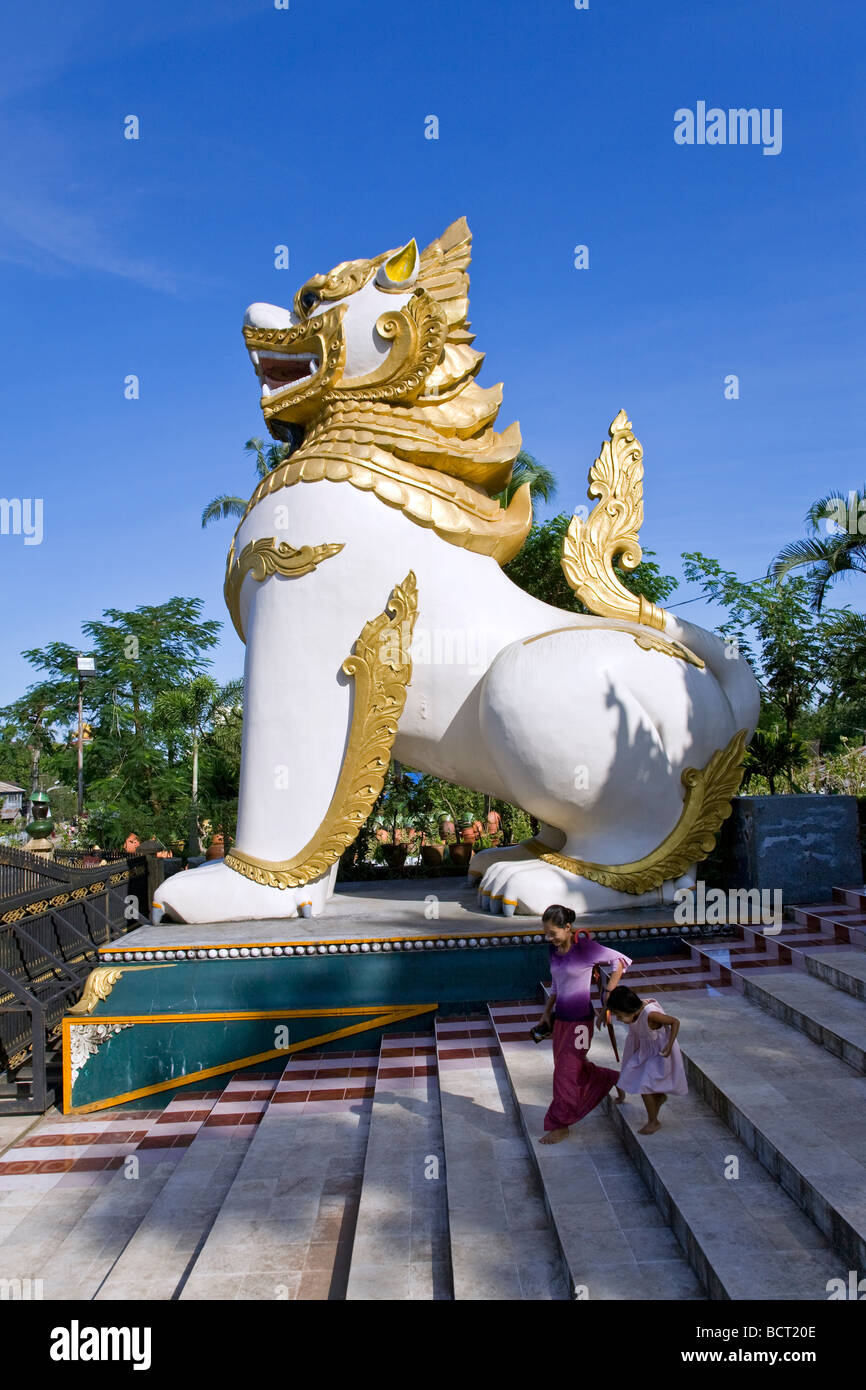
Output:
x=590 y=547
x=265 y=557
x=101 y=981
x=707 y=803
x=382 y=671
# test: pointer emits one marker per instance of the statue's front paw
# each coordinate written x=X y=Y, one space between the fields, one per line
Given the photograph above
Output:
x=217 y=893
x=533 y=886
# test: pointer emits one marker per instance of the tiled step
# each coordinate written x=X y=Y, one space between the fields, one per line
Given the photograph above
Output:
x=502 y=1247
x=154 y=1263
x=744 y=1236
x=851 y=897
x=654 y=973
x=844 y=925
x=285 y=1227
x=80 y=1186
x=839 y=965
x=796 y=1108
x=400 y=1250
x=843 y=967
x=613 y=1241
x=830 y=1017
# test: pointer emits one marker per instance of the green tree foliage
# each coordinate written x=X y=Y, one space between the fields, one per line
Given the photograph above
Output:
x=834 y=547
x=185 y=715
x=537 y=569
x=775 y=752
x=266 y=460
x=773 y=625
x=527 y=469
x=26 y=736
x=138 y=762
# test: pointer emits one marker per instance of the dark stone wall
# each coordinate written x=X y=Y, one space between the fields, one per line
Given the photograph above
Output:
x=804 y=845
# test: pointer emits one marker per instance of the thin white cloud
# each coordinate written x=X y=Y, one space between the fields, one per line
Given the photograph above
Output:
x=50 y=239
x=39 y=42
x=55 y=217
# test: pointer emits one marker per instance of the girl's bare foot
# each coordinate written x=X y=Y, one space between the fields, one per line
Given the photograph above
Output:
x=650 y=1127
x=553 y=1136
x=619 y=1097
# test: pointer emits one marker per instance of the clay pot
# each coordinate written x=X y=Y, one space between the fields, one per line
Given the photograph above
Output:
x=447 y=829
x=395 y=855
x=217 y=848
x=433 y=855
x=460 y=854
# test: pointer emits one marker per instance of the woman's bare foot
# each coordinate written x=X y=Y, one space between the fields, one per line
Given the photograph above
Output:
x=553 y=1136
x=650 y=1127
x=619 y=1097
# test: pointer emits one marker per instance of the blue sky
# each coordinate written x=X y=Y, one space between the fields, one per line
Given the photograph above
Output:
x=305 y=127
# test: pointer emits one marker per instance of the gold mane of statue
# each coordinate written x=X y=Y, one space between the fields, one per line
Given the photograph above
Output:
x=418 y=432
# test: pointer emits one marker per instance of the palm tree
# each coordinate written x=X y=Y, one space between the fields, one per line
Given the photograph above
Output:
x=266 y=461
x=775 y=752
x=527 y=469
x=187 y=712
x=828 y=556
x=31 y=718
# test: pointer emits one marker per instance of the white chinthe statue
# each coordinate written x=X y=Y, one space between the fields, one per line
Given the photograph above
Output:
x=366 y=580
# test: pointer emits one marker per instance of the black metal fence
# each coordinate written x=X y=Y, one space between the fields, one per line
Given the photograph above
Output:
x=50 y=933
x=83 y=858
x=20 y=872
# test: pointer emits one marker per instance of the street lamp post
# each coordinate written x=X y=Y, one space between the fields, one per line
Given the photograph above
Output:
x=86 y=667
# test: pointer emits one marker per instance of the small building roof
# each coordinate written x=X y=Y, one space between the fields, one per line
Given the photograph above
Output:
x=6 y=787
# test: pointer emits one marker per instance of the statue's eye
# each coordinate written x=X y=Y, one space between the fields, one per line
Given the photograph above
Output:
x=309 y=300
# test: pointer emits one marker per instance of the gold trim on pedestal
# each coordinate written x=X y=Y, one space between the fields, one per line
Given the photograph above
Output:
x=707 y=803
x=101 y=981
x=382 y=669
x=590 y=547
x=265 y=557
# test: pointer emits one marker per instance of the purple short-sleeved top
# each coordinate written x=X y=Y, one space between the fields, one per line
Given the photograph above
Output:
x=571 y=976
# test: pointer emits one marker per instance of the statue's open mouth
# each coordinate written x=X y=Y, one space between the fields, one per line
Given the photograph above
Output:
x=280 y=369
x=296 y=364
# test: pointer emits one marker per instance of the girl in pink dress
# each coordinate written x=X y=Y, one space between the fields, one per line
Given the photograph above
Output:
x=652 y=1064
x=578 y=1085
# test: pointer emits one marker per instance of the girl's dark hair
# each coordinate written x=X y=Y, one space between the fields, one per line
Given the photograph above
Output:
x=558 y=915
x=623 y=1000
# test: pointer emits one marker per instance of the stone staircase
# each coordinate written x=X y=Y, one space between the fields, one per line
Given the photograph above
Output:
x=412 y=1170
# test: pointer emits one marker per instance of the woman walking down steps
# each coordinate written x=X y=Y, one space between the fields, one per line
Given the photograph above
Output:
x=578 y=1085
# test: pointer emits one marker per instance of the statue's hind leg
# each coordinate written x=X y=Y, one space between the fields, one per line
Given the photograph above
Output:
x=581 y=724
x=512 y=855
